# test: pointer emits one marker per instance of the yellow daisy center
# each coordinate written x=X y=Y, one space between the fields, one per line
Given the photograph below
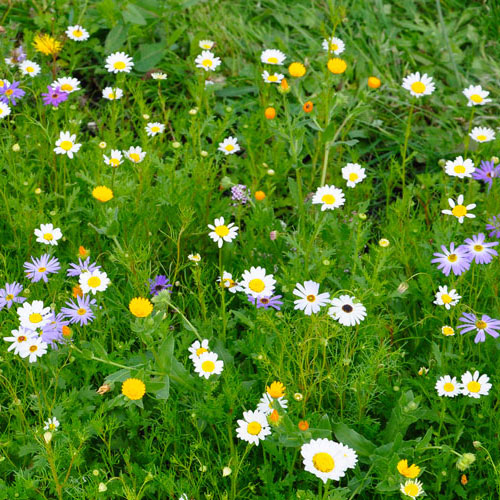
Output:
x=446 y=298
x=418 y=87
x=21 y=338
x=476 y=98
x=66 y=145
x=333 y=47
x=200 y=351
x=459 y=211
x=221 y=231
x=30 y=69
x=474 y=386
x=323 y=462
x=459 y=169
x=448 y=387
x=254 y=428
x=119 y=65
x=329 y=199
x=229 y=147
x=94 y=281
x=135 y=157
x=272 y=60
x=452 y=257
x=111 y=95
x=77 y=33
x=35 y=318
x=155 y=129
x=208 y=366
x=311 y=298
x=52 y=426
x=81 y=311
x=411 y=490
x=66 y=86
x=481 y=325
x=478 y=248
x=42 y=269
x=33 y=348
x=114 y=161
x=207 y=63
x=448 y=330
x=353 y=177
x=272 y=78
x=481 y=137
x=48 y=237
x=256 y=285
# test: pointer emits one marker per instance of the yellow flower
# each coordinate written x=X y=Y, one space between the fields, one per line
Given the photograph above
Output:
x=411 y=472
x=384 y=243
x=46 y=44
x=133 y=388
x=102 y=193
x=140 y=307
x=276 y=390
x=297 y=69
x=337 y=65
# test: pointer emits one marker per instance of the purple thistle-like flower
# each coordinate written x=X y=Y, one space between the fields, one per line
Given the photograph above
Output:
x=10 y=295
x=159 y=283
x=10 y=92
x=455 y=259
x=486 y=173
x=52 y=332
x=54 y=96
x=81 y=311
x=266 y=302
x=485 y=324
x=240 y=193
x=40 y=268
x=494 y=226
x=82 y=267
x=479 y=250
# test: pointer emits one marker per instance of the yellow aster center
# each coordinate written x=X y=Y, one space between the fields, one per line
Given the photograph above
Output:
x=119 y=65
x=448 y=387
x=155 y=129
x=329 y=199
x=474 y=386
x=256 y=285
x=30 y=69
x=254 y=428
x=459 y=211
x=333 y=47
x=33 y=348
x=207 y=63
x=208 y=366
x=94 y=281
x=114 y=162
x=446 y=298
x=229 y=147
x=221 y=231
x=459 y=169
x=200 y=351
x=272 y=78
x=448 y=330
x=21 y=338
x=411 y=489
x=48 y=237
x=35 y=318
x=9 y=92
x=418 y=87
x=9 y=297
x=353 y=177
x=77 y=33
x=481 y=325
x=311 y=298
x=135 y=157
x=81 y=311
x=476 y=98
x=481 y=137
x=478 y=248
x=42 y=269
x=66 y=145
x=323 y=462
x=272 y=60
x=452 y=257
x=66 y=86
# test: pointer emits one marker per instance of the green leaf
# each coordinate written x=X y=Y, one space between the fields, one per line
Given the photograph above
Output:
x=149 y=55
x=132 y=15
x=116 y=38
x=161 y=387
x=166 y=354
x=351 y=438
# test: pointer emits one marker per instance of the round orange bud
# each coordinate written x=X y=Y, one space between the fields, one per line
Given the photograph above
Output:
x=337 y=65
x=66 y=331
x=303 y=425
x=274 y=417
x=308 y=106
x=270 y=113
x=297 y=69
x=284 y=85
x=260 y=195
x=373 y=82
x=463 y=479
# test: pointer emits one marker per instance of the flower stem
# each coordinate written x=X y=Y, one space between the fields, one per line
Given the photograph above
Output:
x=467 y=138
x=405 y=146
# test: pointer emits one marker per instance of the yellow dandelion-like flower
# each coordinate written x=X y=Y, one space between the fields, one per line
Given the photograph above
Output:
x=411 y=472
x=133 y=388
x=297 y=69
x=276 y=390
x=140 y=307
x=337 y=65
x=46 y=44
x=102 y=193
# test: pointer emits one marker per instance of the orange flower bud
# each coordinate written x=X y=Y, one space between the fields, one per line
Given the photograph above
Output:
x=308 y=106
x=274 y=417
x=260 y=195
x=77 y=291
x=374 y=82
x=464 y=480
x=303 y=425
x=270 y=113
x=83 y=252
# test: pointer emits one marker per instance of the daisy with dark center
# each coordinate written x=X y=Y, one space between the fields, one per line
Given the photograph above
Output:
x=494 y=226
x=82 y=267
x=455 y=259
x=54 y=96
x=470 y=322
x=266 y=302
x=80 y=312
x=10 y=92
x=39 y=269
x=18 y=337
x=346 y=311
x=486 y=173
x=479 y=250
x=159 y=283
x=10 y=295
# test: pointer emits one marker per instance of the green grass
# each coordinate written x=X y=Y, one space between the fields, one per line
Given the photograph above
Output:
x=360 y=385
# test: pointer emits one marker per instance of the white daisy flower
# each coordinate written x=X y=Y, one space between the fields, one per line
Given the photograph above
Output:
x=350 y=456
x=476 y=96
x=66 y=144
x=158 y=75
x=135 y=154
x=334 y=45
x=325 y=459
x=267 y=404
x=194 y=257
x=77 y=33
x=33 y=349
x=446 y=298
x=447 y=331
x=154 y=128
x=253 y=428
x=18 y=338
x=353 y=173
x=475 y=386
x=272 y=56
x=48 y=234
x=257 y=283
x=34 y=315
x=112 y=93
x=229 y=146
x=66 y=84
x=221 y=232
x=274 y=78
x=207 y=61
x=229 y=283
x=95 y=281
x=119 y=62
x=346 y=311
x=329 y=197
x=115 y=158
x=459 y=167
x=418 y=85
x=459 y=210
x=448 y=386
x=30 y=68
x=208 y=364
x=4 y=110
x=412 y=488
x=310 y=300
x=482 y=134
x=51 y=425
x=3 y=83
x=197 y=348
x=206 y=44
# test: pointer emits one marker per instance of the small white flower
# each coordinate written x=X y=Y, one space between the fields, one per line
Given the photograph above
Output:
x=334 y=45
x=272 y=56
x=476 y=96
x=48 y=234
x=206 y=44
x=272 y=78
x=51 y=425
x=459 y=167
x=33 y=349
x=229 y=146
x=154 y=128
x=329 y=197
x=459 y=210
x=221 y=232
x=34 y=315
x=208 y=364
x=207 y=61
x=346 y=311
x=418 y=85
x=482 y=134
x=197 y=348
x=159 y=76
x=475 y=386
x=66 y=144
x=253 y=428
x=135 y=154
x=95 y=281
x=229 y=283
x=115 y=158
x=257 y=283
x=119 y=62
x=77 y=33
x=194 y=257
x=448 y=387
x=447 y=298
x=412 y=488
x=353 y=173
x=310 y=300
x=267 y=404
x=112 y=93
x=30 y=68
x=18 y=338
x=4 y=110
x=66 y=84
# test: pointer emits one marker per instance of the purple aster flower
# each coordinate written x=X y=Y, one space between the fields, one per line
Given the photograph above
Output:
x=159 y=283
x=485 y=324
x=82 y=267
x=478 y=250
x=456 y=260
x=52 y=332
x=486 y=173
x=10 y=92
x=240 y=193
x=9 y=295
x=40 y=268
x=17 y=55
x=54 y=96
x=494 y=225
x=266 y=302
x=81 y=311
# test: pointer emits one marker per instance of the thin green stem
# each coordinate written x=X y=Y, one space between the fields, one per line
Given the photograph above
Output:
x=405 y=145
